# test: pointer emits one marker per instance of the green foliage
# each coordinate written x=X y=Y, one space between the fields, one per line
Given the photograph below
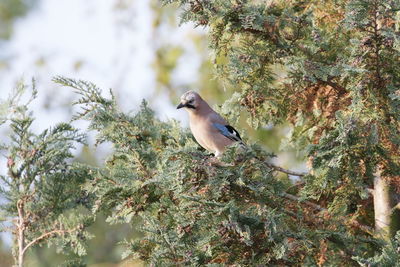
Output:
x=328 y=52
x=192 y=211
x=42 y=189
x=351 y=151
x=389 y=256
x=328 y=68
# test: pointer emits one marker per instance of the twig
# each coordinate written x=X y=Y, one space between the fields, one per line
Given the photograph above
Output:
x=313 y=205
x=45 y=235
x=338 y=88
x=280 y=169
x=396 y=207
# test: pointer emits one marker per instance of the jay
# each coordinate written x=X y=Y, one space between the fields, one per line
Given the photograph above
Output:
x=209 y=129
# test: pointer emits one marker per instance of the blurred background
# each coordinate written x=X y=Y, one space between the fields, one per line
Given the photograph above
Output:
x=135 y=47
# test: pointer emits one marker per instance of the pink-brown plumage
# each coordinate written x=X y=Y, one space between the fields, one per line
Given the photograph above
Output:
x=202 y=119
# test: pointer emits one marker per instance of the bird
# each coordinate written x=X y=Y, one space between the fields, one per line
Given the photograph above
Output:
x=209 y=129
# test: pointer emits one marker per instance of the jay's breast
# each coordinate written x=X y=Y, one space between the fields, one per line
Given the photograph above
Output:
x=209 y=137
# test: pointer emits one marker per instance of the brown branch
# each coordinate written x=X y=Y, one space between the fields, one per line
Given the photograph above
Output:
x=396 y=207
x=340 y=89
x=280 y=169
x=49 y=234
x=308 y=203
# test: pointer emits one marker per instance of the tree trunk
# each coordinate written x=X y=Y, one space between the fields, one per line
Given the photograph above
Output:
x=382 y=206
x=21 y=233
x=21 y=248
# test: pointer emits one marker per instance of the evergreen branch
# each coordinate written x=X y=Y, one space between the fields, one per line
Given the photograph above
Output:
x=362 y=227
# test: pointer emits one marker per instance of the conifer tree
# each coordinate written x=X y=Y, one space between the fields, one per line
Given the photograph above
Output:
x=339 y=90
x=328 y=68
x=44 y=201
x=194 y=213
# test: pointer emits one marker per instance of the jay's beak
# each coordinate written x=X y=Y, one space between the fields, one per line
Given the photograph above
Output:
x=180 y=106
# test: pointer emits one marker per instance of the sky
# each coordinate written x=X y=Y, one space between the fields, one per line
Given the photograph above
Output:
x=94 y=40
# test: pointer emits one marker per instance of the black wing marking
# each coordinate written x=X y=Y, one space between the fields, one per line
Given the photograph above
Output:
x=228 y=131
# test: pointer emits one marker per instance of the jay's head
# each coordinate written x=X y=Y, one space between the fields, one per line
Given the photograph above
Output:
x=190 y=100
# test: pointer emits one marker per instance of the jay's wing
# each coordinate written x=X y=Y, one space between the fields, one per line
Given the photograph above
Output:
x=228 y=131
